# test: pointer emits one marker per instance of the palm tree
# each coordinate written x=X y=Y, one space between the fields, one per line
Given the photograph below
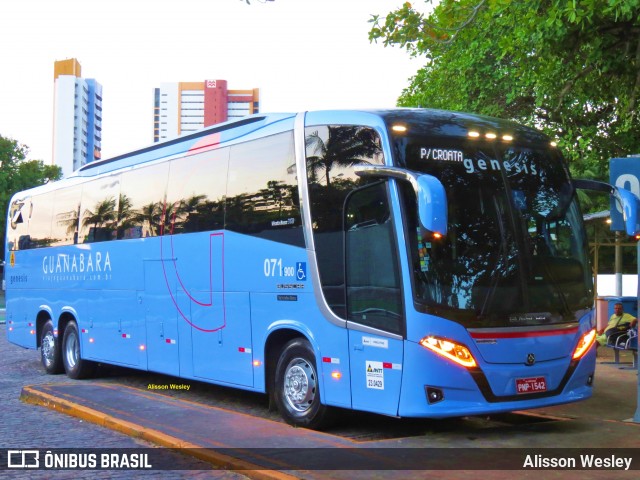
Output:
x=103 y=218
x=71 y=221
x=188 y=212
x=102 y=214
x=344 y=146
x=151 y=215
x=125 y=214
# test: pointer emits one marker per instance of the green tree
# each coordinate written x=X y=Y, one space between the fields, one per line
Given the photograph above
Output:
x=569 y=68
x=18 y=174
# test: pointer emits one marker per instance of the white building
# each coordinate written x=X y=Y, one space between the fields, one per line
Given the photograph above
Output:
x=77 y=117
x=180 y=108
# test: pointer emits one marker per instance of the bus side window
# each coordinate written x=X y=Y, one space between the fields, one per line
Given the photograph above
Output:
x=196 y=190
x=98 y=209
x=141 y=202
x=66 y=214
x=372 y=278
x=40 y=212
x=262 y=191
x=18 y=222
x=331 y=153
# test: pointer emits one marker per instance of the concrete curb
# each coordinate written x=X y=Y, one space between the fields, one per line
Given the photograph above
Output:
x=223 y=462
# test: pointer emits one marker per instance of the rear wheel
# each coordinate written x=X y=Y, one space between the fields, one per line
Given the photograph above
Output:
x=50 y=354
x=74 y=365
x=297 y=390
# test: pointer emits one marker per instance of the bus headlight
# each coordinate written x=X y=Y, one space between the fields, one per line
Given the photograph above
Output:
x=451 y=350
x=584 y=344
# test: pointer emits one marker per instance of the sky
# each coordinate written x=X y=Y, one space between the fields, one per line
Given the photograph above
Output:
x=301 y=54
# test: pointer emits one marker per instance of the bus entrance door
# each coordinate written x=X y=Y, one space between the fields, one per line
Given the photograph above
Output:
x=373 y=301
x=376 y=372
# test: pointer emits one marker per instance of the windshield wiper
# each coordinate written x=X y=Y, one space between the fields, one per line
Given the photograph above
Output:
x=493 y=287
x=553 y=282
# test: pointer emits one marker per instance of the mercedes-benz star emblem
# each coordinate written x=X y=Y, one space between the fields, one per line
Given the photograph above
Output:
x=531 y=359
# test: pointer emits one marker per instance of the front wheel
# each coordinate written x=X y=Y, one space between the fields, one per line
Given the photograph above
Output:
x=297 y=391
x=74 y=365
x=50 y=354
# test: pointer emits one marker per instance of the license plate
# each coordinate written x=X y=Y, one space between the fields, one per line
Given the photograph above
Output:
x=531 y=385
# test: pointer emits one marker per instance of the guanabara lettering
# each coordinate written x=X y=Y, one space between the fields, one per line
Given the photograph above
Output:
x=76 y=263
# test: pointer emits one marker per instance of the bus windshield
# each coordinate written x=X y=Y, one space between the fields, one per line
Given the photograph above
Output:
x=515 y=253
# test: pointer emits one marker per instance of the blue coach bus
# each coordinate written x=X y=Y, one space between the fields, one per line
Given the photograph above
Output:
x=407 y=262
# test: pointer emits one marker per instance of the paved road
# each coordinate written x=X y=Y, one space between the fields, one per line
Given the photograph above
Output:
x=24 y=426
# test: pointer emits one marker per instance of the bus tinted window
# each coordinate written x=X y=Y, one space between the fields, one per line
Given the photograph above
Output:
x=18 y=222
x=98 y=209
x=196 y=191
x=66 y=212
x=262 y=195
x=513 y=246
x=30 y=222
x=39 y=218
x=331 y=152
x=373 y=286
x=142 y=202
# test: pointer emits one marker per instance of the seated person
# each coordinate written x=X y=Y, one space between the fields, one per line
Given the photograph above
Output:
x=619 y=322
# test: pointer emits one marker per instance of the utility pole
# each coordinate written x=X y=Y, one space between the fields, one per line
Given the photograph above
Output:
x=618 y=264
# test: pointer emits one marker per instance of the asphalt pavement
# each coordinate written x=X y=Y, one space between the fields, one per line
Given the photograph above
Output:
x=257 y=444
x=24 y=426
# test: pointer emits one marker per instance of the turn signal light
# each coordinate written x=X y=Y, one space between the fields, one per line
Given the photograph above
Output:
x=584 y=344
x=453 y=351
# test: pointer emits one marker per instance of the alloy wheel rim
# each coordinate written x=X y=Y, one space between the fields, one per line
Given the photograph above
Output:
x=48 y=348
x=300 y=385
x=72 y=351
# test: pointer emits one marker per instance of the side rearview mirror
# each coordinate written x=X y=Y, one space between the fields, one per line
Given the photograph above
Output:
x=629 y=204
x=430 y=193
x=628 y=201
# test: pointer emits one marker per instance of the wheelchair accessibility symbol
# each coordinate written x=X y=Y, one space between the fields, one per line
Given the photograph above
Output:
x=301 y=271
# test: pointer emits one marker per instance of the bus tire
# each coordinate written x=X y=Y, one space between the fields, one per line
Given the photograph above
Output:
x=297 y=387
x=74 y=365
x=50 y=353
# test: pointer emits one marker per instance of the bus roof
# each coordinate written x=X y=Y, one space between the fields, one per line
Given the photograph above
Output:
x=438 y=122
x=207 y=137
x=444 y=123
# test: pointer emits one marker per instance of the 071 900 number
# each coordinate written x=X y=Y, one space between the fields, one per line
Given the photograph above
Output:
x=273 y=267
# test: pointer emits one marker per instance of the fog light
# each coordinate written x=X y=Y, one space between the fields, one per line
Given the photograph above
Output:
x=590 y=380
x=434 y=395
